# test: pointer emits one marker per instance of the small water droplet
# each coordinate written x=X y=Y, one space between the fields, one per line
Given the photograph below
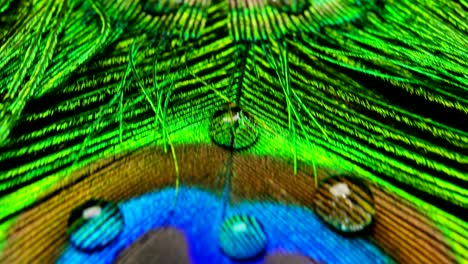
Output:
x=233 y=128
x=94 y=225
x=161 y=7
x=345 y=203
x=242 y=237
x=289 y=6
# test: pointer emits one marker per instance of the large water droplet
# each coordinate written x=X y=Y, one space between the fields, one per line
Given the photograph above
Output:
x=94 y=225
x=233 y=128
x=345 y=203
x=161 y=7
x=242 y=237
x=289 y=6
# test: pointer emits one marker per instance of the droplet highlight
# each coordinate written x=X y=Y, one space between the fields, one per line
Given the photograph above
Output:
x=345 y=203
x=94 y=225
x=242 y=237
x=233 y=128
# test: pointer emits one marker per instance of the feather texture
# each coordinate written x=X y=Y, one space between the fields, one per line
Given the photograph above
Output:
x=115 y=99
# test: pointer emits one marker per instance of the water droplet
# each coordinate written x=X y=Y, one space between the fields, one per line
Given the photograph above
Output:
x=242 y=237
x=94 y=225
x=345 y=203
x=161 y=7
x=233 y=128
x=289 y=6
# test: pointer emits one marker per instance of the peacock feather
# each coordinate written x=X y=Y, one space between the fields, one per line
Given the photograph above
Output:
x=242 y=121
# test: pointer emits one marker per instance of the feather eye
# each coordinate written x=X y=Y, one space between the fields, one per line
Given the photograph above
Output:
x=291 y=7
x=259 y=20
x=162 y=7
x=185 y=19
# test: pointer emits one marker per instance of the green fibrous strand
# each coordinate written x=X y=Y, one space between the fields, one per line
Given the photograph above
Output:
x=376 y=89
x=33 y=62
x=4 y=4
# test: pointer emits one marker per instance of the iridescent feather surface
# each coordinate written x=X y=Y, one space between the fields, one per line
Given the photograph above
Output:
x=316 y=131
